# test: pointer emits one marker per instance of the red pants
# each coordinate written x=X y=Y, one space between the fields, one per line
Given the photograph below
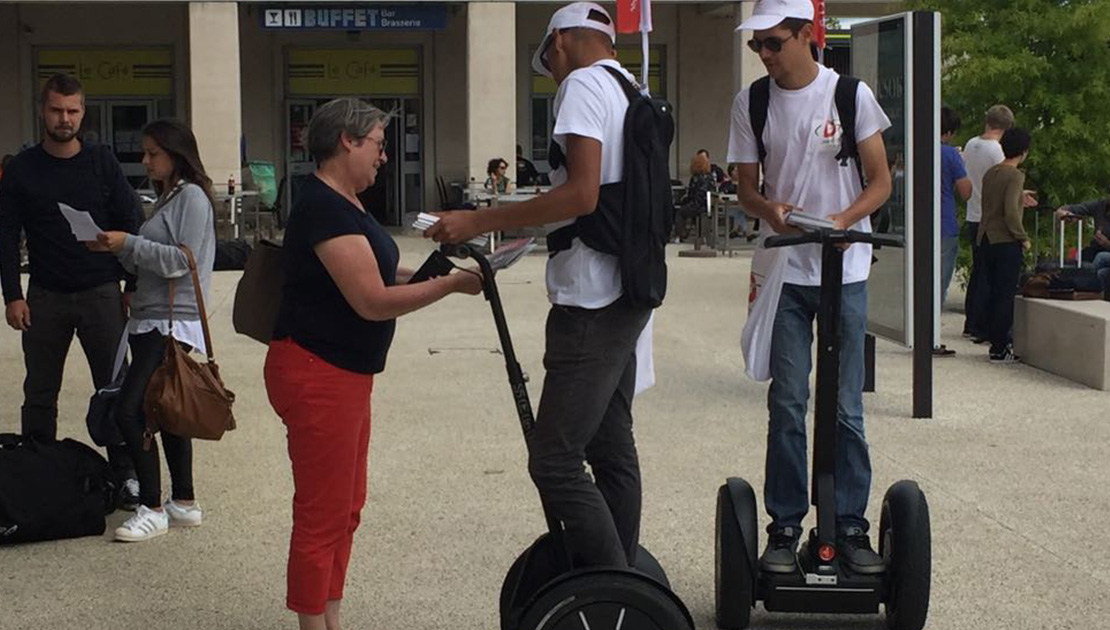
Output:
x=326 y=411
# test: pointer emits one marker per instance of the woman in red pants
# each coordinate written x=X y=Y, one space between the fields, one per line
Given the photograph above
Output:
x=343 y=291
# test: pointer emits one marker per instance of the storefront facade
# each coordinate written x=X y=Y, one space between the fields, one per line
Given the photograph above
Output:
x=457 y=76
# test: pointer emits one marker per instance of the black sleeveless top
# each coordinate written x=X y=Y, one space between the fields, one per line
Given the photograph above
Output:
x=313 y=311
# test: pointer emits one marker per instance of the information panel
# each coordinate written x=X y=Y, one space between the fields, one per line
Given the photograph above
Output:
x=881 y=57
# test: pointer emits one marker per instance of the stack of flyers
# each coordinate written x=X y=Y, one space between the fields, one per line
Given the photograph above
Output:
x=509 y=253
x=799 y=219
x=425 y=221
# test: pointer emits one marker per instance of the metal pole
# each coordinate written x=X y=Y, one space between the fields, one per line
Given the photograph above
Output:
x=926 y=104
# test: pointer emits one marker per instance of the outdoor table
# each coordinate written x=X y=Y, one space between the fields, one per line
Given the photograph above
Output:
x=699 y=250
x=233 y=206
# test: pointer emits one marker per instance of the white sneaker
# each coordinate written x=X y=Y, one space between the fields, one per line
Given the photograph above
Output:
x=146 y=524
x=183 y=515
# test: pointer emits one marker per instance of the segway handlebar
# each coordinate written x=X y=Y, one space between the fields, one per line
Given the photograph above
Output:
x=828 y=236
x=464 y=251
x=517 y=380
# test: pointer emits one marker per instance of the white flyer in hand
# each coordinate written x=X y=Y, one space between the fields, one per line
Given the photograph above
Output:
x=425 y=221
x=81 y=223
x=799 y=219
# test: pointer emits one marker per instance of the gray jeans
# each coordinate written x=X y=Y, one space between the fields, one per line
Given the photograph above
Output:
x=96 y=316
x=585 y=415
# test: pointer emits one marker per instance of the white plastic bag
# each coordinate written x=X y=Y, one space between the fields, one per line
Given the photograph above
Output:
x=645 y=361
x=768 y=266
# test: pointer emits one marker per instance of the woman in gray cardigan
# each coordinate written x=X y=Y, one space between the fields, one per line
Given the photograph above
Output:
x=182 y=216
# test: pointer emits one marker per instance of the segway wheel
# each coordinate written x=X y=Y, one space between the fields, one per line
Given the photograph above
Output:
x=649 y=566
x=608 y=600
x=905 y=545
x=735 y=559
x=534 y=567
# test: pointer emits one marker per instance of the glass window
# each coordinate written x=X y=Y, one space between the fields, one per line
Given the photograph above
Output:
x=542 y=123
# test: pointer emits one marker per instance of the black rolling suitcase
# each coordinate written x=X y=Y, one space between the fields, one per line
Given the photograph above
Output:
x=51 y=490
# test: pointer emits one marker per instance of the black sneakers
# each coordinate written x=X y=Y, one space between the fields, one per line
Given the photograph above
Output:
x=1006 y=356
x=855 y=550
x=781 y=554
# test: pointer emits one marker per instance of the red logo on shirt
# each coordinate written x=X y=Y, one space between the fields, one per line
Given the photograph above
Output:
x=828 y=131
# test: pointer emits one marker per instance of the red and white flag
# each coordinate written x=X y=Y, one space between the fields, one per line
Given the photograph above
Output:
x=819 y=23
x=629 y=15
x=633 y=16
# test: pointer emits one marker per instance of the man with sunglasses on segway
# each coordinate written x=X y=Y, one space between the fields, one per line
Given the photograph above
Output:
x=818 y=138
x=597 y=332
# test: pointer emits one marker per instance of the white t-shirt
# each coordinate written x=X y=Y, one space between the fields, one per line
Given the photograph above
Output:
x=802 y=136
x=979 y=157
x=590 y=104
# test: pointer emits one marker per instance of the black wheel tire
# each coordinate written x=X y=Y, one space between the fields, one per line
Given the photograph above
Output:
x=735 y=568
x=540 y=563
x=606 y=600
x=905 y=543
x=508 y=587
x=542 y=566
x=649 y=566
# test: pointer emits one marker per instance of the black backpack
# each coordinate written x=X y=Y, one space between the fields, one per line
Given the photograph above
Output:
x=51 y=490
x=634 y=216
x=759 y=100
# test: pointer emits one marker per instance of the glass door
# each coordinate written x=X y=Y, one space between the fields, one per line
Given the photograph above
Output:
x=126 y=120
x=385 y=198
x=398 y=187
x=93 y=124
x=298 y=163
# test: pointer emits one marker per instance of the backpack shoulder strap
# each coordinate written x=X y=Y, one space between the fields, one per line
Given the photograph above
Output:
x=759 y=100
x=845 y=99
x=630 y=90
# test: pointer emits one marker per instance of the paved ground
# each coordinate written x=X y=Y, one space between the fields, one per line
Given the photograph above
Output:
x=1014 y=465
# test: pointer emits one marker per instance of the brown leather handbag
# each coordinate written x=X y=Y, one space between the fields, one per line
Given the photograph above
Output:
x=183 y=397
x=258 y=296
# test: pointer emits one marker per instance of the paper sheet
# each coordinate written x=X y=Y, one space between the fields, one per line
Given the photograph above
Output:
x=425 y=221
x=81 y=223
x=509 y=253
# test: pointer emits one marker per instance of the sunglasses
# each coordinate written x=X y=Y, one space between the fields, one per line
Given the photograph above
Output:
x=547 y=48
x=773 y=44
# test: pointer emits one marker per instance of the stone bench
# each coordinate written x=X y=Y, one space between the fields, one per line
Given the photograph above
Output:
x=1070 y=339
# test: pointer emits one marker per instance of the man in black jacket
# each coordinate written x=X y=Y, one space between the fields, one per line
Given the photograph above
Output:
x=71 y=289
x=1098 y=250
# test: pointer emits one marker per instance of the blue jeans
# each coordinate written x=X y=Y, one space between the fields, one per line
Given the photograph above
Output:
x=739 y=220
x=949 y=247
x=1102 y=268
x=786 y=490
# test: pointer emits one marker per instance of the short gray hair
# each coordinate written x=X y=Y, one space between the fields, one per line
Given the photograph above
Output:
x=1000 y=117
x=347 y=115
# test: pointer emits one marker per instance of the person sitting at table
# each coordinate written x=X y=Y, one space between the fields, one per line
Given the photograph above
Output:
x=526 y=173
x=719 y=175
x=497 y=182
x=695 y=203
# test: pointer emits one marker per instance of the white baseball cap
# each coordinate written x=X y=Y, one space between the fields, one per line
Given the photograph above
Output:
x=770 y=13
x=577 y=15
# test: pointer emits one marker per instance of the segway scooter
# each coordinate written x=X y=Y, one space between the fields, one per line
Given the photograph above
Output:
x=822 y=583
x=543 y=589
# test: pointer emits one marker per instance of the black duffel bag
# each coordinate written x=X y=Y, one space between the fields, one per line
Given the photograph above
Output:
x=51 y=490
